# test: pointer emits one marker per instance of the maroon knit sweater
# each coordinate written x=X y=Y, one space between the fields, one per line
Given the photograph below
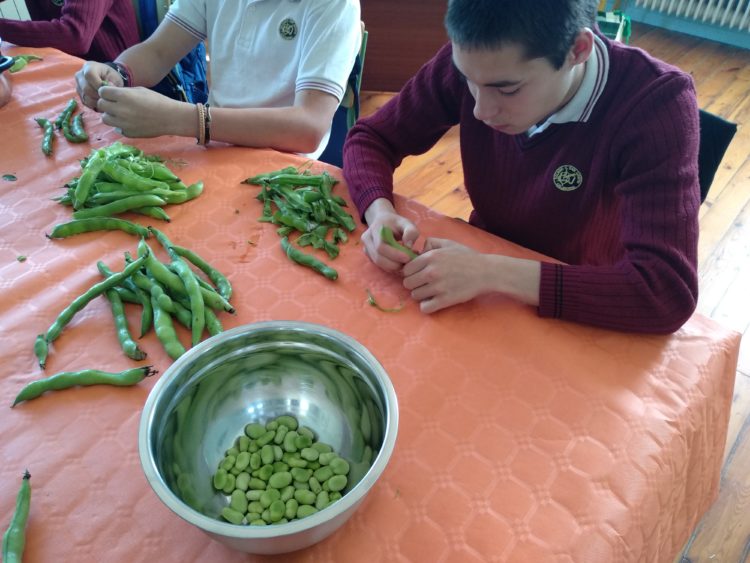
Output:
x=96 y=30
x=628 y=235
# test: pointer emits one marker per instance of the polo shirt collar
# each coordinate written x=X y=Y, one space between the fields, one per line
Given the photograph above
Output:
x=581 y=105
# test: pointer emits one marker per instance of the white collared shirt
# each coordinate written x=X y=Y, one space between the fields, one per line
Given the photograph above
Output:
x=580 y=106
x=264 y=51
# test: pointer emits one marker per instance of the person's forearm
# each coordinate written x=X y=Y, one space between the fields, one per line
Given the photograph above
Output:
x=147 y=64
x=288 y=129
x=56 y=34
x=518 y=278
x=650 y=297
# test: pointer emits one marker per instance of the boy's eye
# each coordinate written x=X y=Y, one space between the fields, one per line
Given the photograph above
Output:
x=508 y=93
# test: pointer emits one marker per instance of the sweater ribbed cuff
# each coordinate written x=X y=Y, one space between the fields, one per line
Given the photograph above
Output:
x=550 y=290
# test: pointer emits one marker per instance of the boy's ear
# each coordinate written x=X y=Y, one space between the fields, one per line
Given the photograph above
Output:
x=582 y=47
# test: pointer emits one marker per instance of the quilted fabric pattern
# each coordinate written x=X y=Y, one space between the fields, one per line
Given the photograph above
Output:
x=521 y=439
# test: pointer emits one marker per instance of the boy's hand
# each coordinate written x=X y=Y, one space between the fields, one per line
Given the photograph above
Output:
x=382 y=213
x=91 y=77
x=140 y=112
x=445 y=274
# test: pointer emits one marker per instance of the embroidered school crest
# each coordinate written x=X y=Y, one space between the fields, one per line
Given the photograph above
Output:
x=288 y=29
x=567 y=178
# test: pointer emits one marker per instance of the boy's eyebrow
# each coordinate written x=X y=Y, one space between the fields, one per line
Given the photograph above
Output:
x=499 y=84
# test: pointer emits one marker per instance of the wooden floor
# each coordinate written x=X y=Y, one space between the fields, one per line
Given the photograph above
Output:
x=722 y=77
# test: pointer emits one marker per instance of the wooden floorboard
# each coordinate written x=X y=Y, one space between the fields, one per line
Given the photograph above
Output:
x=722 y=77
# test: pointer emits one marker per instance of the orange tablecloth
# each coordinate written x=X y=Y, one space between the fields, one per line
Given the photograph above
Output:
x=521 y=439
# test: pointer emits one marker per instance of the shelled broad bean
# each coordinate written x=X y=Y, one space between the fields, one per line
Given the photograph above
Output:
x=278 y=472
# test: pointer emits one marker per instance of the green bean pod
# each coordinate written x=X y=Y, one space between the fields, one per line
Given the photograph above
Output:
x=77 y=130
x=182 y=313
x=82 y=300
x=386 y=235
x=165 y=331
x=67 y=129
x=121 y=150
x=127 y=296
x=186 y=275
x=341 y=216
x=84 y=378
x=127 y=343
x=219 y=280
x=297 y=179
x=153 y=211
x=174 y=284
x=129 y=178
x=294 y=221
x=194 y=190
x=160 y=172
x=14 y=538
x=197 y=306
x=41 y=349
x=131 y=293
x=119 y=206
x=49 y=134
x=107 y=187
x=213 y=324
x=261 y=178
x=307 y=260
x=66 y=113
x=79 y=226
x=19 y=63
x=87 y=179
x=147 y=313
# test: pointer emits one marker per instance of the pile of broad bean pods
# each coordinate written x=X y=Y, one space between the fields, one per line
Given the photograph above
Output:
x=166 y=291
x=121 y=178
x=305 y=204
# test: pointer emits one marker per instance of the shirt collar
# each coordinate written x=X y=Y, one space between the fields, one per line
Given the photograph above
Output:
x=581 y=105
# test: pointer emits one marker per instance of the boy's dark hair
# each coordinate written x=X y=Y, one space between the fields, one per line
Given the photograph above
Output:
x=544 y=28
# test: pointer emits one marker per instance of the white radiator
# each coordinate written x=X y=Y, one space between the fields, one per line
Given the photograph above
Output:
x=729 y=14
x=14 y=10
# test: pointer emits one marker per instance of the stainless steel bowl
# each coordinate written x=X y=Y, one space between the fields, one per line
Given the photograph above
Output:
x=253 y=373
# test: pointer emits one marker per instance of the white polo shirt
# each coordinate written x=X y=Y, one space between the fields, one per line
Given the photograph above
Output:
x=582 y=103
x=264 y=51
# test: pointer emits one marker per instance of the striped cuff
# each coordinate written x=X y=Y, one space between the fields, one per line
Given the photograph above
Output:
x=186 y=26
x=328 y=87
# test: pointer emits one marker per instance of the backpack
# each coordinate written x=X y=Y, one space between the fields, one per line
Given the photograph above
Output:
x=348 y=111
x=187 y=81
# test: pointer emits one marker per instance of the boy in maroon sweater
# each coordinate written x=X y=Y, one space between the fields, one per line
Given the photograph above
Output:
x=574 y=146
x=96 y=30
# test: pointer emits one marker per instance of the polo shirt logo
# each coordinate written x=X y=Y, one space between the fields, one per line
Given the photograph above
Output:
x=288 y=29
x=567 y=178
